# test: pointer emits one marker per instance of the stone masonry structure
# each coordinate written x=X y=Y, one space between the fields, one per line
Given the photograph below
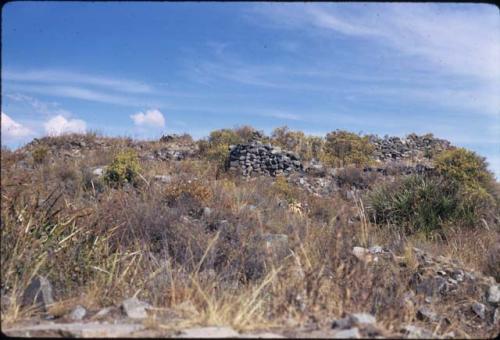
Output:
x=259 y=158
x=395 y=148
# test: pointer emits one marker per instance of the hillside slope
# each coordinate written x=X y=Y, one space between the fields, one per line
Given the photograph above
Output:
x=291 y=234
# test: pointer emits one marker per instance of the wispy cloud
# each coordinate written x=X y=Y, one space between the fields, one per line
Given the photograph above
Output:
x=82 y=93
x=39 y=107
x=463 y=39
x=281 y=115
x=480 y=97
x=88 y=87
x=67 y=77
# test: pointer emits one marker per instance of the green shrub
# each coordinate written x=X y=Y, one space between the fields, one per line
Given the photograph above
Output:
x=284 y=190
x=124 y=168
x=343 y=148
x=429 y=204
x=40 y=154
x=464 y=166
x=307 y=147
x=216 y=149
x=287 y=139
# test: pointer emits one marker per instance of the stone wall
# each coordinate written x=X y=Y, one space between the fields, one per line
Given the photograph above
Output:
x=413 y=146
x=258 y=158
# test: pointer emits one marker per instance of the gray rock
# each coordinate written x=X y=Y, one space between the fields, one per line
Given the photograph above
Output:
x=78 y=313
x=363 y=318
x=496 y=316
x=38 y=293
x=5 y=301
x=209 y=332
x=432 y=286
x=376 y=250
x=262 y=336
x=103 y=313
x=414 y=332
x=352 y=333
x=364 y=254
x=135 y=309
x=426 y=314
x=354 y=320
x=494 y=294
x=276 y=245
x=458 y=275
x=98 y=171
x=207 y=212
x=163 y=178
x=343 y=323
x=479 y=309
x=79 y=329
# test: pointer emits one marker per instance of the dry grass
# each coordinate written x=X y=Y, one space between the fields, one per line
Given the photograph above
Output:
x=153 y=241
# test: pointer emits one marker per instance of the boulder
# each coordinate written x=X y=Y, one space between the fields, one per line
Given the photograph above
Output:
x=479 y=309
x=355 y=319
x=207 y=212
x=351 y=333
x=426 y=314
x=276 y=245
x=135 y=309
x=414 y=332
x=78 y=313
x=38 y=293
x=209 y=332
x=98 y=171
x=77 y=329
x=494 y=294
x=163 y=178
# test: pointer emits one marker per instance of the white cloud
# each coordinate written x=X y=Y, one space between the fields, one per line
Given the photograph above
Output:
x=153 y=118
x=59 y=125
x=12 y=129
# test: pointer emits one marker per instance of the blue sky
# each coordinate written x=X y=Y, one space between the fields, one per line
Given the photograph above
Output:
x=144 y=69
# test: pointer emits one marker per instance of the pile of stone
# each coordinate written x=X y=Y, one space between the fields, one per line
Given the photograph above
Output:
x=178 y=139
x=413 y=146
x=258 y=158
x=169 y=153
x=401 y=169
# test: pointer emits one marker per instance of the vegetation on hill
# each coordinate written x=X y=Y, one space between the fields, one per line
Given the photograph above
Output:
x=250 y=252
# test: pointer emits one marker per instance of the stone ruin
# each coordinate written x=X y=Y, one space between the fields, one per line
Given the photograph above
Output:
x=413 y=146
x=259 y=158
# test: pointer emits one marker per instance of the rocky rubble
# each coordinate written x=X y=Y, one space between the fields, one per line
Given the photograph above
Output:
x=413 y=146
x=401 y=169
x=438 y=279
x=258 y=158
x=434 y=280
x=169 y=147
x=176 y=153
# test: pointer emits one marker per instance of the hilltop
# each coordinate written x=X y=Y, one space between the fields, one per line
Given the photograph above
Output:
x=288 y=235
